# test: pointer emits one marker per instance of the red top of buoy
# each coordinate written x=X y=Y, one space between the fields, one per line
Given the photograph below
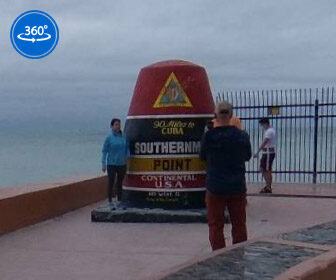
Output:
x=172 y=87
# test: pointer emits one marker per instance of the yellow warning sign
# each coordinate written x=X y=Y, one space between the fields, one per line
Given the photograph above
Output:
x=172 y=94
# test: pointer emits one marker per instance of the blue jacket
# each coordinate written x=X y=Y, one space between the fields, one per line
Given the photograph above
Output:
x=225 y=150
x=115 y=150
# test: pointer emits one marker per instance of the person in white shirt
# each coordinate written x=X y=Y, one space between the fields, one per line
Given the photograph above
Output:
x=268 y=153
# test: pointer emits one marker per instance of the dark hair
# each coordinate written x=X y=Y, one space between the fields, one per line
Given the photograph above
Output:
x=113 y=121
x=264 y=121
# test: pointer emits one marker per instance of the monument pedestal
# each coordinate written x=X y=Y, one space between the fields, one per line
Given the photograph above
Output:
x=104 y=214
x=146 y=215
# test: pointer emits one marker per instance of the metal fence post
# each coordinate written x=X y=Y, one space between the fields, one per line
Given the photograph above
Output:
x=316 y=117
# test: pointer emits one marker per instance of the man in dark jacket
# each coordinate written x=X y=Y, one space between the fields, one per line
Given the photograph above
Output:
x=225 y=149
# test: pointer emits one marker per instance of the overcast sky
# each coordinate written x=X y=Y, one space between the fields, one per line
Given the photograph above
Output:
x=103 y=45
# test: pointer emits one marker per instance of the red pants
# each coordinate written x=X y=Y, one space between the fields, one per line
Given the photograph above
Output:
x=216 y=205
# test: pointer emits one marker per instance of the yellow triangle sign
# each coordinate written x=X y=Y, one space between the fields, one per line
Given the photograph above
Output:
x=172 y=94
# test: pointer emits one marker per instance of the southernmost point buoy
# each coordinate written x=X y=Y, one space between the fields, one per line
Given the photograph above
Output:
x=171 y=105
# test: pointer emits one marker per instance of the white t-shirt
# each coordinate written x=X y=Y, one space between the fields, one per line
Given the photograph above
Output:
x=271 y=135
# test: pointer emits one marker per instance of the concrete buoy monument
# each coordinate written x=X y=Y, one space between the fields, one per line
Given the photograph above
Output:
x=171 y=105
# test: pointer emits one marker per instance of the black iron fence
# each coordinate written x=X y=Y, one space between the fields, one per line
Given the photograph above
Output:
x=305 y=123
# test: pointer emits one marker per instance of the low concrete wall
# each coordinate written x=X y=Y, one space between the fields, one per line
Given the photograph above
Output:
x=22 y=208
x=322 y=267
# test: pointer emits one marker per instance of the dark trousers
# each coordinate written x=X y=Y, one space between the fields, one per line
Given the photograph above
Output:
x=116 y=174
x=216 y=205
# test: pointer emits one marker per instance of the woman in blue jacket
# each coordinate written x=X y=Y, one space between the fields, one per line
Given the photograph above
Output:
x=114 y=157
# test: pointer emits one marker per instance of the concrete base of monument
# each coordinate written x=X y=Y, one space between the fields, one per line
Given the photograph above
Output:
x=144 y=208
x=147 y=215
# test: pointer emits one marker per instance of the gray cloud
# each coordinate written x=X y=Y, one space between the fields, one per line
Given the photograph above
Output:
x=103 y=45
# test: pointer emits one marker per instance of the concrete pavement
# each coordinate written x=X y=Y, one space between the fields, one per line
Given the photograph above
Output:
x=71 y=247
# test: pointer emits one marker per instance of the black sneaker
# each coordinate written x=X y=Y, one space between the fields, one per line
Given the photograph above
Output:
x=266 y=190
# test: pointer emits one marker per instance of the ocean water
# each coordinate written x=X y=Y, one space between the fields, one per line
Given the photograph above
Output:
x=43 y=155
x=53 y=137
x=43 y=151
x=46 y=137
